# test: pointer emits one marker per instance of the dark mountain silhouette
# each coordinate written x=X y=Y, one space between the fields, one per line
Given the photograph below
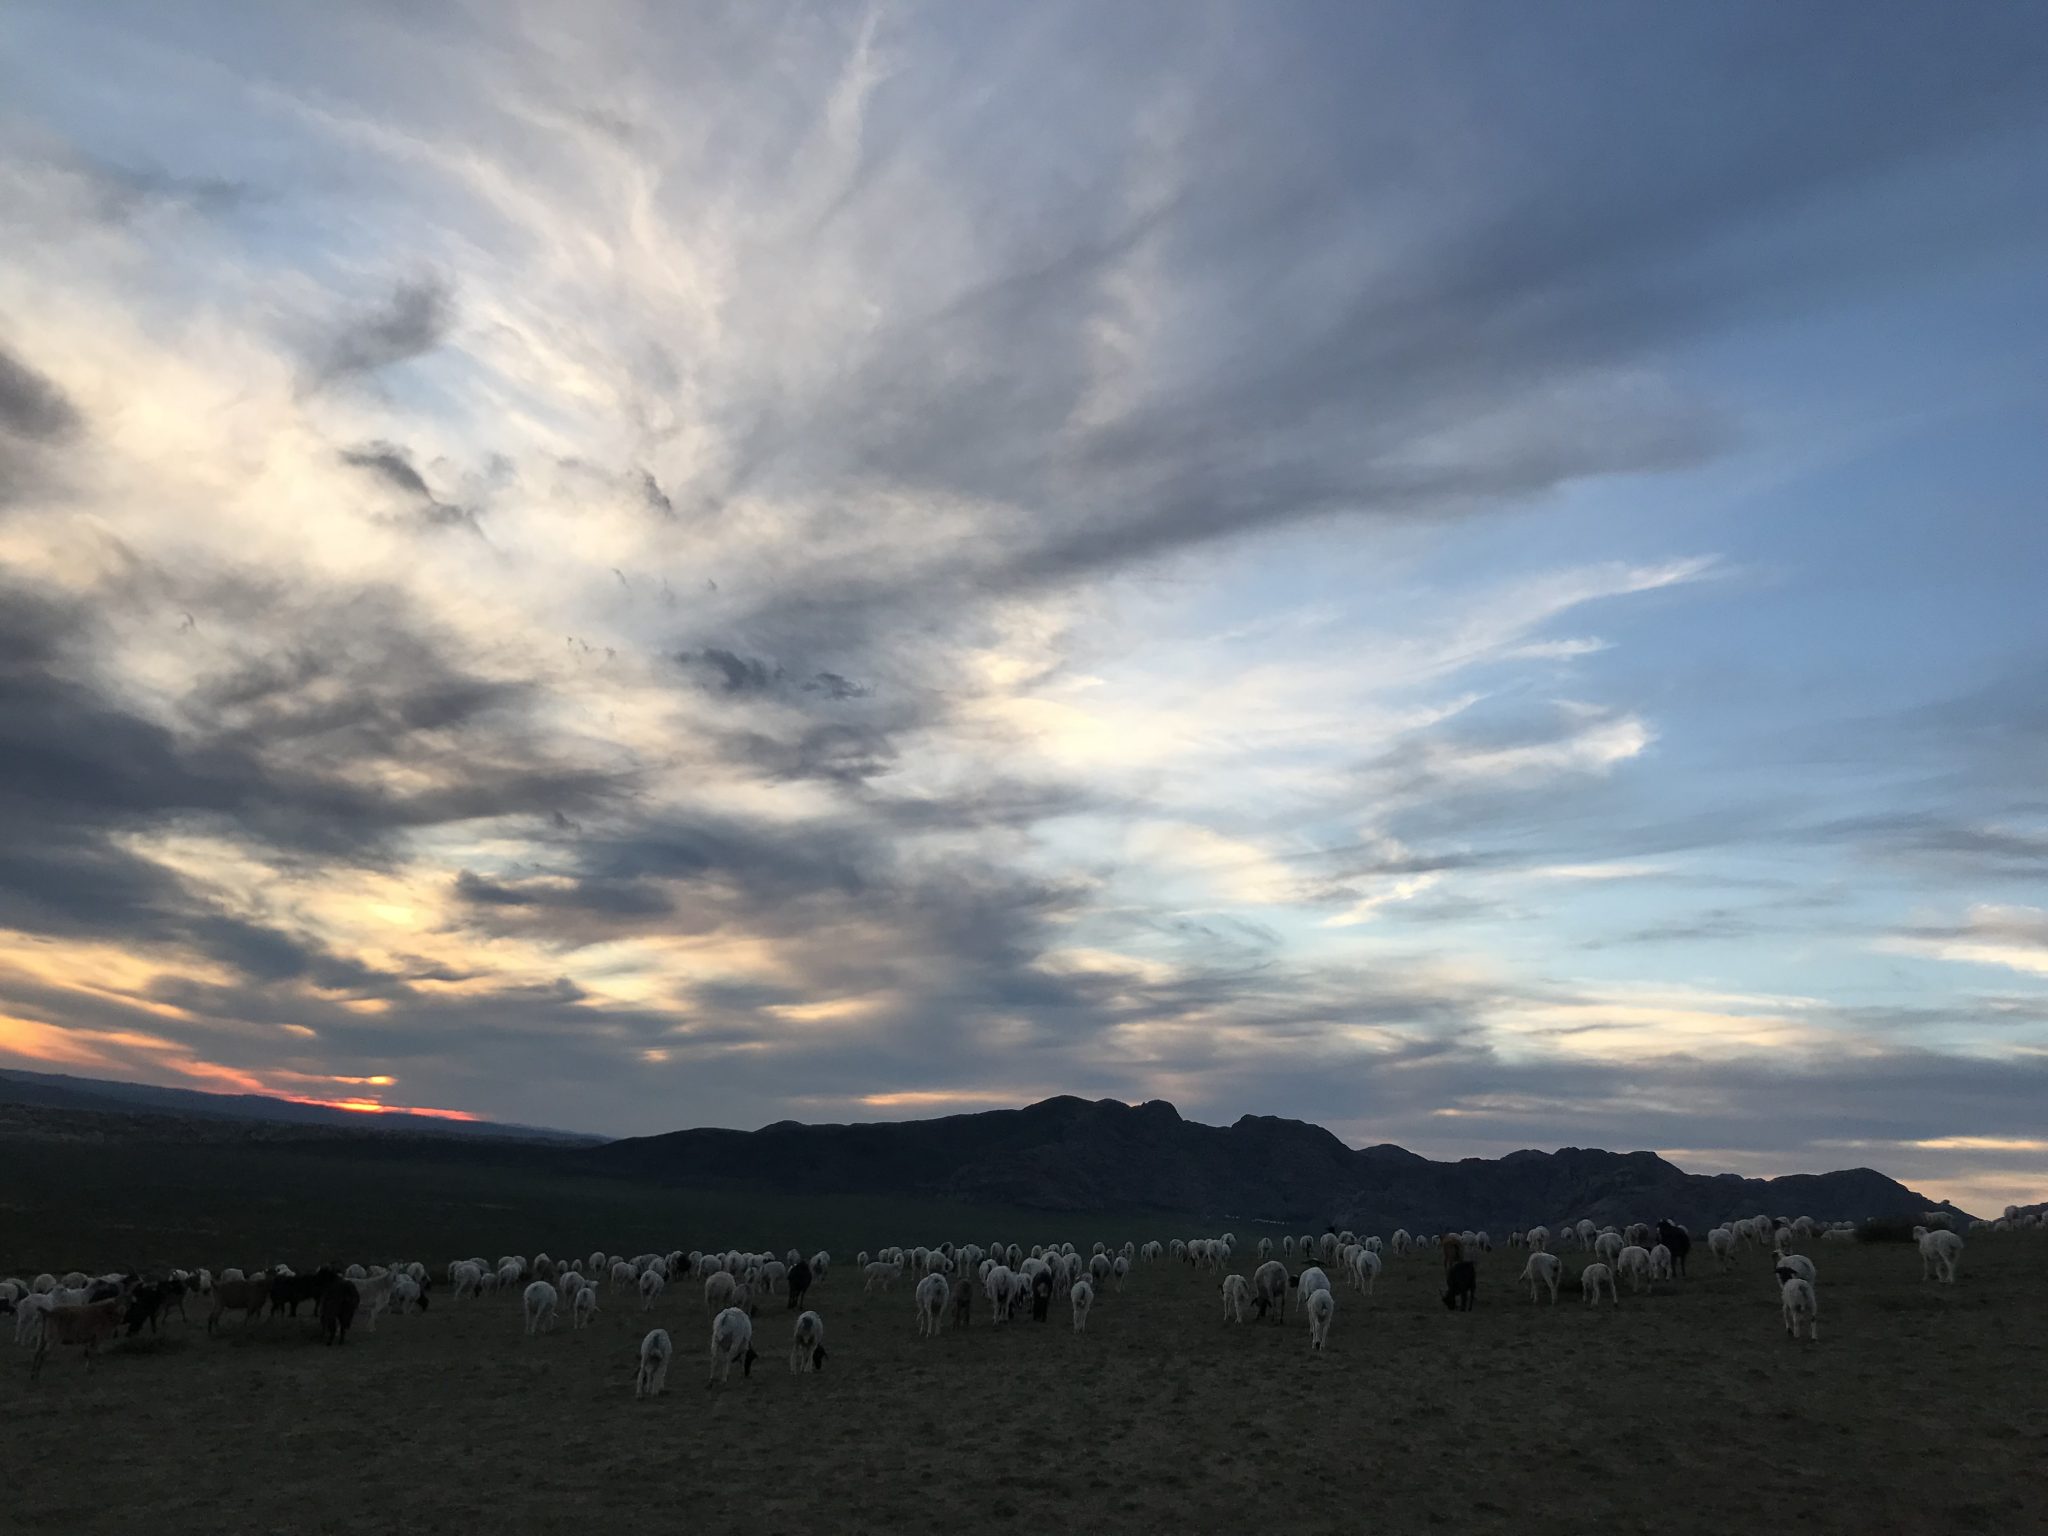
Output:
x=1067 y=1154
x=91 y=1095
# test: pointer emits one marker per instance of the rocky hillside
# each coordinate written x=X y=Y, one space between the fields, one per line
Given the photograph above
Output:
x=1067 y=1154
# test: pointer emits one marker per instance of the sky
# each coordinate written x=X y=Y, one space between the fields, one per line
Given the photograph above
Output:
x=1470 y=574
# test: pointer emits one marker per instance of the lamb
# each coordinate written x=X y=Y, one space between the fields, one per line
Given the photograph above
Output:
x=1800 y=1306
x=1320 y=1306
x=88 y=1325
x=1237 y=1296
x=1083 y=1297
x=882 y=1274
x=405 y=1291
x=807 y=1348
x=538 y=1305
x=655 y=1350
x=932 y=1294
x=1939 y=1251
x=1462 y=1286
x=584 y=1307
x=651 y=1285
x=1591 y=1278
x=732 y=1338
x=1541 y=1270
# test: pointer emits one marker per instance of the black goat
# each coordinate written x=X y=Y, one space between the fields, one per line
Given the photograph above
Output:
x=1678 y=1240
x=339 y=1299
x=799 y=1282
x=1041 y=1295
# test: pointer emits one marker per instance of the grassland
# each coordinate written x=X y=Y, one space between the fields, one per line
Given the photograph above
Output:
x=1921 y=1409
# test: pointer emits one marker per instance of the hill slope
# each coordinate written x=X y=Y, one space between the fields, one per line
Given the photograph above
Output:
x=91 y=1095
x=1066 y=1154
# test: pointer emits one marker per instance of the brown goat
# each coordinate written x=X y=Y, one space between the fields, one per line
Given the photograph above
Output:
x=87 y=1324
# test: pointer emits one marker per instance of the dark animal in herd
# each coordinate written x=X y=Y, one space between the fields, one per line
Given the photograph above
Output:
x=799 y=1282
x=1041 y=1296
x=963 y=1306
x=339 y=1299
x=1463 y=1281
x=1678 y=1240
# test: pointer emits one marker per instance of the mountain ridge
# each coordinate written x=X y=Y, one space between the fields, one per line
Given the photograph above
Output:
x=1071 y=1154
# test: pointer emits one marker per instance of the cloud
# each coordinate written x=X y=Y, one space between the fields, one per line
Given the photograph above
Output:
x=413 y=319
x=395 y=469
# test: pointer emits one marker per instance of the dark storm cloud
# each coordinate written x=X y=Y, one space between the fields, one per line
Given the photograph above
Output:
x=413 y=319
x=287 y=751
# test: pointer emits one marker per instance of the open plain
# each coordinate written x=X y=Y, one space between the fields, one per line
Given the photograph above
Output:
x=1921 y=1408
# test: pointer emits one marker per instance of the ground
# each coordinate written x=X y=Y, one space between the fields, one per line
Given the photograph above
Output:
x=1922 y=1408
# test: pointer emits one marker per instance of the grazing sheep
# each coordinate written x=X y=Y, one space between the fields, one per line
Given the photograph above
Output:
x=1800 y=1306
x=1634 y=1262
x=584 y=1308
x=1721 y=1244
x=1541 y=1270
x=1002 y=1286
x=807 y=1348
x=1608 y=1245
x=732 y=1338
x=1591 y=1278
x=820 y=1262
x=1365 y=1269
x=88 y=1325
x=1308 y=1282
x=1083 y=1297
x=1538 y=1238
x=932 y=1294
x=1269 y=1289
x=882 y=1274
x=1118 y=1270
x=1237 y=1296
x=718 y=1292
x=1320 y=1306
x=1791 y=1264
x=1462 y=1286
x=651 y=1286
x=467 y=1280
x=1660 y=1263
x=406 y=1294
x=655 y=1350
x=538 y=1306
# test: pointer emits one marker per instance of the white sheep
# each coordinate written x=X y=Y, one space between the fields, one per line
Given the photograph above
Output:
x=468 y=1280
x=1083 y=1297
x=1118 y=1270
x=1660 y=1263
x=651 y=1287
x=1790 y=1264
x=1365 y=1269
x=807 y=1347
x=538 y=1306
x=1320 y=1306
x=655 y=1351
x=1269 y=1289
x=718 y=1291
x=1591 y=1278
x=1939 y=1251
x=1721 y=1243
x=932 y=1295
x=1634 y=1261
x=1237 y=1297
x=820 y=1262
x=1800 y=1305
x=1542 y=1269
x=732 y=1338
x=1308 y=1283
x=584 y=1308
x=1403 y=1243
x=1002 y=1285
x=881 y=1273
x=1608 y=1245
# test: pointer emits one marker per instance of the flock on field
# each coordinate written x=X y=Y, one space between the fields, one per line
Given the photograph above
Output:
x=86 y=1311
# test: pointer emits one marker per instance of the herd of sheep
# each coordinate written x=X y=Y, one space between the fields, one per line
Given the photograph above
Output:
x=86 y=1311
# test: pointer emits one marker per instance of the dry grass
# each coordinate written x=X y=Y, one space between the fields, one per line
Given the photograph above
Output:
x=1922 y=1409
